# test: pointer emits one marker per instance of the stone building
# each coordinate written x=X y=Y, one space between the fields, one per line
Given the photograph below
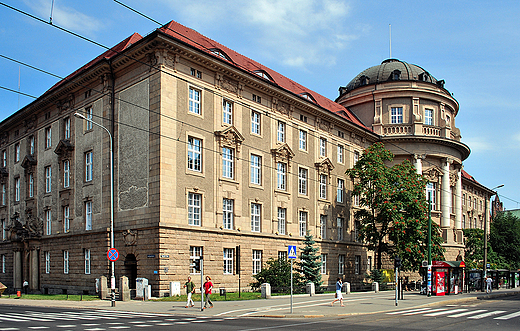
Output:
x=215 y=155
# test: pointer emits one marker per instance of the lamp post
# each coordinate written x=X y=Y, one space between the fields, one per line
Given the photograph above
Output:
x=486 y=215
x=112 y=264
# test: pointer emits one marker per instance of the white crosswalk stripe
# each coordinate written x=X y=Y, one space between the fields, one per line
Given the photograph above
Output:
x=467 y=313
x=446 y=312
x=453 y=312
x=491 y=313
x=509 y=316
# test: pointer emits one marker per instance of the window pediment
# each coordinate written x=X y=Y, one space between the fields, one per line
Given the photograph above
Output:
x=64 y=147
x=229 y=137
x=432 y=174
x=283 y=153
x=28 y=161
x=325 y=166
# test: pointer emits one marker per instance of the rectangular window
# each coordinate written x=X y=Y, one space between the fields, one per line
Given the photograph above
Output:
x=323 y=147
x=369 y=263
x=31 y=145
x=227 y=162
x=194 y=208
x=303 y=140
x=256 y=169
x=323 y=226
x=257 y=261
x=66 y=219
x=341 y=264
x=356 y=157
x=48 y=222
x=4 y=230
x=430 y=194
x=30 y=191
x=339 y=224
x=228 y=261
x=257 y=98
x=463 y=199
x=66 y=128
x=323 y=270
x=281 y=175
x=340 y=190
x=65 y=262
x=17 y=189
x=448 y=121
x=282 y=219
x=195 y=254
x=227 y=112
x=47 y=262
x=17 y=152
x=255 y=122
x=48 y=179
x=357 y=265
x=355 y=199
x=357 y=227
x=4 y=195
x=302 y=181
x=87 y=261
x=194 y=101
x=340 y=154
x=397 y=115
x=227 y=213
x=48 y=137
x=302 y=222
x=88 y=215
x=428 y=116
x=194 y=154
x=255 y=217
x=3 y=264
x=280 y=133
x=4 y=158
x=196 y=73
x=88 y=166
x=66 y=173
x=282 y=255
x=323 y=186
x=88 y=116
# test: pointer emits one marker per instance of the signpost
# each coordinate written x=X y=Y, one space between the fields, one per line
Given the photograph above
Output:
x=112 y=255
x=291 y=254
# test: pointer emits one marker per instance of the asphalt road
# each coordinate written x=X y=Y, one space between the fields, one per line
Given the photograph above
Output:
x=482 y=315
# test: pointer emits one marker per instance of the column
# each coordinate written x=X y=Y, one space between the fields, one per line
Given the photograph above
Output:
x=445 y=194
x=418 y=164
x=458 y=201
x=17 y=269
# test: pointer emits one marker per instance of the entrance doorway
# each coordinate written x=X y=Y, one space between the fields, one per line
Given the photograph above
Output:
x=130 y=270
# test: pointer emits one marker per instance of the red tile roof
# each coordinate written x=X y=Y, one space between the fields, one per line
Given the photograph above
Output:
x=468 y=176
x=203 y=43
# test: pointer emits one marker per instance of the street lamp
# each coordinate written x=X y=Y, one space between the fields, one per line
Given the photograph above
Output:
x=486 y=215
x=112 y=277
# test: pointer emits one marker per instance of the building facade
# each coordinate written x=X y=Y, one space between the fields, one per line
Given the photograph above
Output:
x=215 y=156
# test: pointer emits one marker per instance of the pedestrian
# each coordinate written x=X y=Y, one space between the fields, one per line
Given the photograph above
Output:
x=208 y=285
x=338 y=296
x=489 y=284
x=25 y=286
x=190 y=289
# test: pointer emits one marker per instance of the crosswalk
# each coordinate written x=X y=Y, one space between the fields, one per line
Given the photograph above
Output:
x=455 y=312
x=95 y=320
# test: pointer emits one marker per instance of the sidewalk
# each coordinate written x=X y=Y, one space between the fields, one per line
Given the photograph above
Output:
x=304 y=306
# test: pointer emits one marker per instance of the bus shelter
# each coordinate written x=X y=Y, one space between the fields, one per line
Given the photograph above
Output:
x=447 y=277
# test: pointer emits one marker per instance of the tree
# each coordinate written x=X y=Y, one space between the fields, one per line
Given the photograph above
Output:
x=310 y=262
x=394 y=217
x=474 y=250
x=278 y=274
x=504 y=239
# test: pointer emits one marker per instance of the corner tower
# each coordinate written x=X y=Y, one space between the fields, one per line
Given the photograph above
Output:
x=415 y=116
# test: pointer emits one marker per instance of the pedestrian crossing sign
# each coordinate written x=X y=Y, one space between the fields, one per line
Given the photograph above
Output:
x=291 y=252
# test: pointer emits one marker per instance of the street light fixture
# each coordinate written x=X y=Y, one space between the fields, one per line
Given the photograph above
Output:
x=112 y=277
x=486 y=215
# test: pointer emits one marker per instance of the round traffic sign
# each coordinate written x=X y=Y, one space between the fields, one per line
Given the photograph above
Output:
x=113 y=254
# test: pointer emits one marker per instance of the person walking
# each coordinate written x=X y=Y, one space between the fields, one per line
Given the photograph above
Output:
x=208 y=285
x=339 y=296
x=190 y=289
x=25 y=286
x=489 y=284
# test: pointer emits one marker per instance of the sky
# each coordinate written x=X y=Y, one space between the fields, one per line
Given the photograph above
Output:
x=322 y=44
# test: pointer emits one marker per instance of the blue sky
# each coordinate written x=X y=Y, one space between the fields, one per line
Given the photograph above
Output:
x=473 y=45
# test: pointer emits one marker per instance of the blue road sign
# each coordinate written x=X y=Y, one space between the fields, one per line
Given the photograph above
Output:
x=113 y=254
x=291 y=252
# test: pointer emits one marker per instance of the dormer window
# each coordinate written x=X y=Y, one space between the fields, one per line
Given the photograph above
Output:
x=396 y=75
x=308 y=96
x=424 y=77
x=264 y=75
x=220 y=53
x=363 y=80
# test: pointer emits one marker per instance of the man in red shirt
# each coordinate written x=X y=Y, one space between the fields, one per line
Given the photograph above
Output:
x=208 y=285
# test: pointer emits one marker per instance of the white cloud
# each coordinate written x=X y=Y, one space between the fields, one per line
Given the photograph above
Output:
x=66 y=17
x=478 y=145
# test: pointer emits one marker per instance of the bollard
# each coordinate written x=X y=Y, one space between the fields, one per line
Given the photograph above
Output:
x=266 y=291
x=310 y=289
x=375 y=287
x=346 y=285
x=18 y=293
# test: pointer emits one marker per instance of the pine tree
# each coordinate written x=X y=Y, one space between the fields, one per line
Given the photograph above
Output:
x=310 y=262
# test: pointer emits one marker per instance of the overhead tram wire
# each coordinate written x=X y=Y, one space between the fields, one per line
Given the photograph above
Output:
x=173 y=75
x=18 y=92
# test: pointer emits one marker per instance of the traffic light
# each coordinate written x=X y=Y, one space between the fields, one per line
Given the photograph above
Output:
x=397 y=262
x=196 y=264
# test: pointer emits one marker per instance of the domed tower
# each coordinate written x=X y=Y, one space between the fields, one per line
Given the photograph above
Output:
x=415 y=116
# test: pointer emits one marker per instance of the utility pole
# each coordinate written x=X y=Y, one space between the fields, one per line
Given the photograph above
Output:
x=429 y=284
